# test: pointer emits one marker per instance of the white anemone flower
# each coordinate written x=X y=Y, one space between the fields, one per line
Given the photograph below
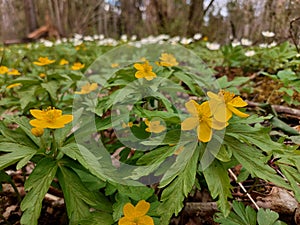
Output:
x=186 y=41
x=124 y=37
x=213 y=46
x=273 y=44
x=235 y=43
x=263 y=45
x=133 y=38
x=246 y=42
x=48 y=43
x=268 y=34
x=197 y=36
x=78 y=36
x=88 y=38
x=250 y=53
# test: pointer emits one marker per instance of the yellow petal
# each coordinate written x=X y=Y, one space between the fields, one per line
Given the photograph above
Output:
x=238 y=102
x=212 y=95
x=189 y=123
x=204 y=132
x=219 y=125
x=129 y=210
x=138 y=66
x=126 y=221
x=142 y=208
x=65 y=119
x=145 y=220
x=237 y=112
x=205 y=109
x=93 y=86
x=139 y=74
x=191 y=107
x=37 y=113
x=222 y=113
x=150 y=76
x=39 y=123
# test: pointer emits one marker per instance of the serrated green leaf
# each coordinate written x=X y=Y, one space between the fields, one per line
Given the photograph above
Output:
x=180 y=164
x=217 y=179
x=136 y=192
x=174 y=194
x=293 y=177
x=37 y=184
x=17 y=152
x=121 y=200
x=252 y=160
x=23 y=123
x=78 y=198
x=240 y=216
x=151 y=161
x=51 y=87
x=257 y=135
x=97 y=218
x=266 y=217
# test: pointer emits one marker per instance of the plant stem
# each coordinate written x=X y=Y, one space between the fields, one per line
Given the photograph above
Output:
x=54 y=144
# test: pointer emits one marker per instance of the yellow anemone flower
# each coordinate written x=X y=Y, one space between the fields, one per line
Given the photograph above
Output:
x=129 y=124
x=13 y=85
x=114 y=65
x=77 y=66
x=13 y=72
x=136 y=215
x=224 y=104
x=49 y=118
x=154 y=126
x=144 y=71
x=42 y=61
x=3 y=69
x=63 y=62
x=87 y=88
x=167 y=60
x=42 y=75
x=202 y=119
x=37 y=131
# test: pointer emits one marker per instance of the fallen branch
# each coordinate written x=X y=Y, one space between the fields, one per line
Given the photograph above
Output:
x=201 y=208
x=277 y=108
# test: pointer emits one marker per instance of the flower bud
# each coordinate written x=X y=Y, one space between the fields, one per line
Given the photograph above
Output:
x=37 y=131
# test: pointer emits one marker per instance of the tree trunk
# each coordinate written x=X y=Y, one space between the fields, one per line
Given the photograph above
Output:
x=29 y=9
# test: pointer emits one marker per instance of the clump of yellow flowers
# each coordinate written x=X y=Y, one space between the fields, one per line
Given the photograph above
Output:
x=212 y=114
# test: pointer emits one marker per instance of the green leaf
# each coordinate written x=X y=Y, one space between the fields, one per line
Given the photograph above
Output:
x=293 y=177
x=121 y=200
x=266 y=217
x=136 y=192
x=51 y=87
x=17 y=152
x=253 y=160
x=240 y=216
x=97 y=218
x=90 y=161
x=218 y=182
x=78 y=198
x=174 y=194
x=37 y=184
x=276 y=122
x=257 y=135
x=23 y=123
x=150 y=162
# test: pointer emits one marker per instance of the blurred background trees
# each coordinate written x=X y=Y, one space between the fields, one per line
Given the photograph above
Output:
x=219 y=20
